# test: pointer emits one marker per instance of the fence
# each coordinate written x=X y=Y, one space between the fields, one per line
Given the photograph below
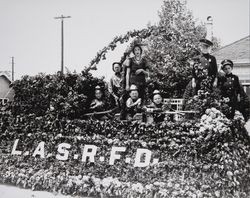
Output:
x=3 y=101
x=176 y=104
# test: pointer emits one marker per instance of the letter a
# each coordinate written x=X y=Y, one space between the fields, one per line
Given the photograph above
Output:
x=39 y=150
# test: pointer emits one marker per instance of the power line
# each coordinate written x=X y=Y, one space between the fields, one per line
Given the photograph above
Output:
x=12 y=67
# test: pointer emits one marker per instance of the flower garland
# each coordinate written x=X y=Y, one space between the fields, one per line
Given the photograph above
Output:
x=202 y=151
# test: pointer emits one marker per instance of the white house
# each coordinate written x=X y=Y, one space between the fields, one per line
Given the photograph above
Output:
x=239 y=53
x=6 y=92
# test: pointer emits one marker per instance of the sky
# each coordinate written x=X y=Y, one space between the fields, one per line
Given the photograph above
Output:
x=30 y=33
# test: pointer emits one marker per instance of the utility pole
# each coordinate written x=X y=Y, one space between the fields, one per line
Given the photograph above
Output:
x=62 y=37
x=12 y=69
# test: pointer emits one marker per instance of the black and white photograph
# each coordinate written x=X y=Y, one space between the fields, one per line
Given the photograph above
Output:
x=125 y=99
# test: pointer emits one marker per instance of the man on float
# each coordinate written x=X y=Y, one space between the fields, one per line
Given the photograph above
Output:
x=231 y=88
x=204 y=65
x=207 y=62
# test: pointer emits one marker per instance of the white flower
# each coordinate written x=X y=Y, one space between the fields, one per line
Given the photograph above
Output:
x=85 y=178
x=106 y=182
x=163 y=192
x=59 y=135
x=159 y=184
x=209 y=119
x=144 y=144
x=149 y=186
x=213 y=109
x=213 y=115
x=226 y=99
x=138 y=187
x=203 y=117
x=210 y=127
x=202 y=129
x=117 y=183
x=79 y=137
x=110 y=141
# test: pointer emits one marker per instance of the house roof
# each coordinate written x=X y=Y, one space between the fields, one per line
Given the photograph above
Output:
x=238 y=51
x=6 y=74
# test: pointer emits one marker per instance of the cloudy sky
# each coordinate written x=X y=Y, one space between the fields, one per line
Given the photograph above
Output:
x=30 y=33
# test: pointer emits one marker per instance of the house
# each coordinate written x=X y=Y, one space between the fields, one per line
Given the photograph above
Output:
x=6 y=92
x=239 y=53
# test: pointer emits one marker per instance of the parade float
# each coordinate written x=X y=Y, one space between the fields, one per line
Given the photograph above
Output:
x=46 y=142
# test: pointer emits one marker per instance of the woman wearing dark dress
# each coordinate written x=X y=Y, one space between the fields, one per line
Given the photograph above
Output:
x=137 y=71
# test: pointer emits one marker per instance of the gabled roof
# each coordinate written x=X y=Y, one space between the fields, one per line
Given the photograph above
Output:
x=6 y=74
x=238 y=51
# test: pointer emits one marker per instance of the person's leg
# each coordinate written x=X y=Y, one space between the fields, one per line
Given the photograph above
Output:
x=187 y=94
x=123 y=100
x=232 y=108
x=142 y=92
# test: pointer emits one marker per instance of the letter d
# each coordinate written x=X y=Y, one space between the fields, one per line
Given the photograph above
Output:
x=139 y=154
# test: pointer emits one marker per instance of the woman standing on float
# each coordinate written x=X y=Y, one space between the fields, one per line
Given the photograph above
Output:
x=137 y=71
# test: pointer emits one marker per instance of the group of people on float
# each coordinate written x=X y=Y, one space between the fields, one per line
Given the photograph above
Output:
x=128 y=84
x=205 y=67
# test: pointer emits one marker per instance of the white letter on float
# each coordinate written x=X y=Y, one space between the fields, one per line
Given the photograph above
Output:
x=139 y=154
x=39 y=150
x=62 y=149
x=91 y=154
x=114 y=156
x=14 y=151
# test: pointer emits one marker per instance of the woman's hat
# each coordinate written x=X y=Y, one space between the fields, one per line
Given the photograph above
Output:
x=226 y=62
x=133 y=88
x=97 y=87
x=206 y=42
x=155 y=92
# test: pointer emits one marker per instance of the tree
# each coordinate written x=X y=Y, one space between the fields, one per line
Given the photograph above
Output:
x=172 y=46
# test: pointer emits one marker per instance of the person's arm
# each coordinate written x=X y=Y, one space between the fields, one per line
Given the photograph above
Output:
x=238 y=87
x=110 y=86
x=215 y=71
x=146 y=72
x=193 y=76
x=93 y=104
x=127 y=79
x=126 y=65
x=130 y=104
x=215 y=82
x=138 y=102
x=147 y=68
x=193 y=83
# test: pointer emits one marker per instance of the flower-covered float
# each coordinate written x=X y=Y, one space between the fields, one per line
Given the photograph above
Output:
x=47 y=145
